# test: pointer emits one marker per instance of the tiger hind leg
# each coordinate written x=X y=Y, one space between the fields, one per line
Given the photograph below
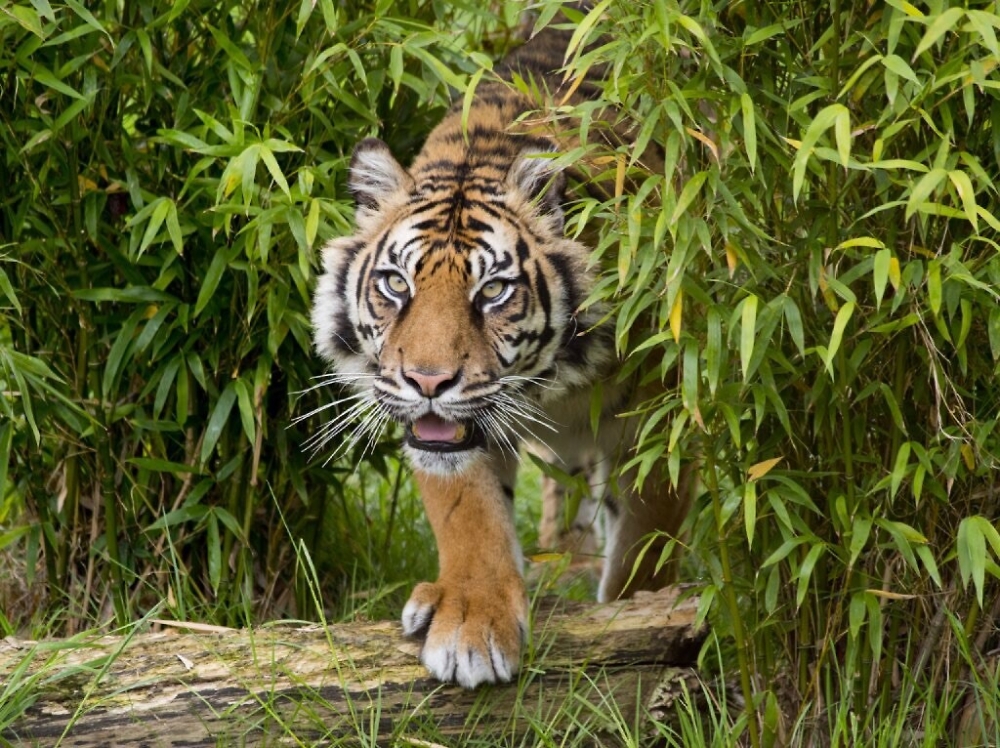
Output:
x=639 y=530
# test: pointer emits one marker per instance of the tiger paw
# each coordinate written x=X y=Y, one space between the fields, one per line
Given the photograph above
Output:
x=473 y=634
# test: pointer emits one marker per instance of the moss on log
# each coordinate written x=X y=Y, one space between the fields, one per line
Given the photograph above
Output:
x=587 y=666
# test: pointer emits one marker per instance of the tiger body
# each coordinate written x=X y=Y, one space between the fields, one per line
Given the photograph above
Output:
x=455 y=310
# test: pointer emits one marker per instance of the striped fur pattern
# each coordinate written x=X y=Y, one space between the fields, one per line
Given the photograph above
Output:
x=454 y=310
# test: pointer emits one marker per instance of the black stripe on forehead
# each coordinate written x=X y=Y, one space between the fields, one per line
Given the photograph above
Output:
x=434 y=260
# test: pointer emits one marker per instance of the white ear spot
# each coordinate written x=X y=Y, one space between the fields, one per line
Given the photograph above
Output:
x=375 y=175
x=536 y=176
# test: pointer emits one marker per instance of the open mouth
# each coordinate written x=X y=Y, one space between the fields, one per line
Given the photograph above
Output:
x=435 y=434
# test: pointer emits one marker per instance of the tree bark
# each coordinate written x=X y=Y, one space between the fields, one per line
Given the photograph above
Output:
x=588 y=667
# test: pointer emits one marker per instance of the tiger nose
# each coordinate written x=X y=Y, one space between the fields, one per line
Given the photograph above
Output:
x=430 y=383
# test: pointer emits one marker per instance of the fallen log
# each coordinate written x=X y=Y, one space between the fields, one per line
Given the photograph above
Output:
x=587 y=666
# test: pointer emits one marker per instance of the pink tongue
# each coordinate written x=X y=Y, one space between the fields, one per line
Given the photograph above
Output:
x=432 y=428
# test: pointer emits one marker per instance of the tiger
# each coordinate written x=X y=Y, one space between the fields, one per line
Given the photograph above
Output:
x=456 y=309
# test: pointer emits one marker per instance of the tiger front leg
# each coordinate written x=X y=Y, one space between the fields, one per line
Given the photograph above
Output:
x=475 y=616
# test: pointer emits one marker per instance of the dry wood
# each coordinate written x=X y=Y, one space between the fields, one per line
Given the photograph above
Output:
x=359 y=681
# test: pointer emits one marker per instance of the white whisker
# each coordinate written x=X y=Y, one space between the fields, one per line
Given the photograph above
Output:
x=332 y=404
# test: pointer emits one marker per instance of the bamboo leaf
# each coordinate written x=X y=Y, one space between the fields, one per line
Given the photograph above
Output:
x=747 y=332
x=971 y=548
x=805 y=571
x=940 y=25
x=899 y=468
x=217 y=421
x=713 y=348
x=160 y=208
x=213 y=548
x=760 y=469
x=923 y=189
x=584 y=27
x=220 y=262
x=793 y=318
x=934 y=286
x=967 y=194
x=247 y=416
x=688 y=194
x=88 y=18
x=900 y=67
x=749 y=129
x=842 y=134
x=880 y=274
x=8 y=290
x=174 y=228
x=826 y=118
x=836 y=337
x=676 y=315
x=750 y=510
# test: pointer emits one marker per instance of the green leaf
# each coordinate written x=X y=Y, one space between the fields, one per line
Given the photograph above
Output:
x=860 y=532
x=842 y=134
x=132 y=294
x=971 y=548
x=27 y=18
x=272 y=166
x=927 y=559
x=900 y=67
x=8 y=290
x=161 y=207
x=941 y=24
x=217 y=421
x=174 y=228
x=880 y=274
x=923 y=189
x=934 y=285
x=213 y=549
x=750 y=510
x=212 y=277
x=688 y=194
x=994 y=332
x=967 y=194
x=164 y=466
x=805 y=572
x=856 y=613
x=875 y=626
x=584 y=27
x=312 y=222
x=748 y=332
x=749 y=129
x=6 y=438
x=45 y=76
x=190 y=513
x=247 y=417
x=837 y=336
x=793 y=319
x=87 y=17
x=713 y=348
x=899 y=468
x=833 y=114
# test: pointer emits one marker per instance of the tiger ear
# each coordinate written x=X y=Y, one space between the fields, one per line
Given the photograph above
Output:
x=536 y=176
x=375 y=176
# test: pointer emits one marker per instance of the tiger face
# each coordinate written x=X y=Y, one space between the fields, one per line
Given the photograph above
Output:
x=454 y=307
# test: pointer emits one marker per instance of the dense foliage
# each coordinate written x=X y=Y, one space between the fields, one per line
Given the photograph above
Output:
x=821 y=263
x=170 y=169
x=816 y=275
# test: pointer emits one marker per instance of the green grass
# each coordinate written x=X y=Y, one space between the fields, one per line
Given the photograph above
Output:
x=709 y=713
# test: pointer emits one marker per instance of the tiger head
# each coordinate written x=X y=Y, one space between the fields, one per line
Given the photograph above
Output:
x=453 y=308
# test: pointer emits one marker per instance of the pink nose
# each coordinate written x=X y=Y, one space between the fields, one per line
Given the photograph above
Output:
x=430 y=384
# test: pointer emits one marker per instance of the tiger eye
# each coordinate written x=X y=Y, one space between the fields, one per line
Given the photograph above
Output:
x=492 y=290
x=397 y=284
